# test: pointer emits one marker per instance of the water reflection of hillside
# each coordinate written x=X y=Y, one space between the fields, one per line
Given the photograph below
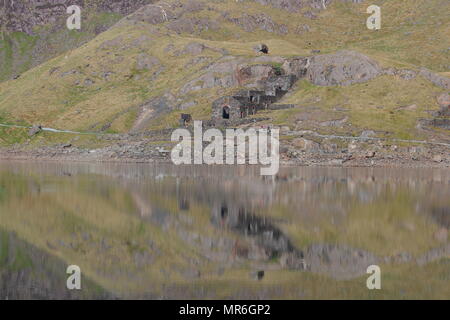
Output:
x=159 y=225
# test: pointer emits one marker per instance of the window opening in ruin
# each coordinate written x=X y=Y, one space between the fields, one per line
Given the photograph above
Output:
x=226 y=112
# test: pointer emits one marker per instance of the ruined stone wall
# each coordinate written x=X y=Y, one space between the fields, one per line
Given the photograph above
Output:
x=280 y=82
x=233 y=104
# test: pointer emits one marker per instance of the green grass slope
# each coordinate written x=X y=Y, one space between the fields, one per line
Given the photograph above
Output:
x=101 y=85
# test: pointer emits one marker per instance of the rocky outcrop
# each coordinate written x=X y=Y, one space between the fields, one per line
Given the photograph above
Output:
x=405 y=74
x=146 y=62
x=297 y=5
x=261 y=21
x=341 y=68
x=294 y=5
x=436 y=79
x=24 y=15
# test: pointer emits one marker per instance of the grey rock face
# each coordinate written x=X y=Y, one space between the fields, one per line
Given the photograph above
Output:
x=192 y=25
x=146 y=62
x=341 y=68
x=260 y=21
x=226 y=73
x=25 y=14
x=296 y=66
x=153 y=14
x=194 y=48
x=436 y=79
x=209 y=80
x=297 y=5
x=405 y=74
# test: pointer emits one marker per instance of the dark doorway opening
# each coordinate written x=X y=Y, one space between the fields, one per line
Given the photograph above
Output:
x=226 y=112
x=224 y=211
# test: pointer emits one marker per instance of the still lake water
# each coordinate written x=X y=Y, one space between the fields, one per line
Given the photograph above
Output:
x=163 y=232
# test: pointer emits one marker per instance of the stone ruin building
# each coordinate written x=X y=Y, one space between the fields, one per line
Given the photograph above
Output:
x=233 y=109
x=249 y=102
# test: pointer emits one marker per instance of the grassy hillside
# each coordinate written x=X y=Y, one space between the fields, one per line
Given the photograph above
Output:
x=20 y=51
x=101 y=85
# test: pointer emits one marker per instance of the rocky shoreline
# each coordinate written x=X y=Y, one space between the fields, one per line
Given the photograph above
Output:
x=309 y=155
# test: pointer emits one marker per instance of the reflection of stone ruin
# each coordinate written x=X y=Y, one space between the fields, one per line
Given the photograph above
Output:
x=249 y=102
x=269 y=240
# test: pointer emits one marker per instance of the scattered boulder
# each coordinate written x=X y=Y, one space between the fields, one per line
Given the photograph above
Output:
x=370 y=154
x=88 y=82
x=105 y=75
x=34 y=130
